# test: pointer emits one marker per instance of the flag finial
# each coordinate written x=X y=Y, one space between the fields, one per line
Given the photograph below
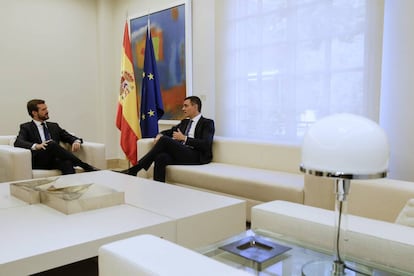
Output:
x=148 y=22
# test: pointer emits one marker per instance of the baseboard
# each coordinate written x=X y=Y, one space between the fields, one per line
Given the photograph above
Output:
x=117 y=164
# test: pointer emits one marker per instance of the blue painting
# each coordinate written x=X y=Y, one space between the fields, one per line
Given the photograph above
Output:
x=168 y=37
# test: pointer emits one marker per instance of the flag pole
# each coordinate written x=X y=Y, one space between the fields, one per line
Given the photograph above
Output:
x=148 y=24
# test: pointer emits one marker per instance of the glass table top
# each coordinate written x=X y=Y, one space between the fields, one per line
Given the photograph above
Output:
x=298 y=260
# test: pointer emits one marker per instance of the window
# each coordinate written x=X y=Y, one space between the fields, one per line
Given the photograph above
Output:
x=283 y=64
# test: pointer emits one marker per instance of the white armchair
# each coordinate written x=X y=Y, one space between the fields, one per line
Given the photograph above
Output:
x=16 y=163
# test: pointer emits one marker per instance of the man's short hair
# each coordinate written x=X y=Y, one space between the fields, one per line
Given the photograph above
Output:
x=195 y=100
x=32 y=105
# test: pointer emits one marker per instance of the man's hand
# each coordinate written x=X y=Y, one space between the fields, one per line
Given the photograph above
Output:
x=76 y=146
x=157 y=137
x=178 y=135
x=42 y=146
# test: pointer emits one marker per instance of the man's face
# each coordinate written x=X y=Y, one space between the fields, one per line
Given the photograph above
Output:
x=190 y=109
x=42 y=114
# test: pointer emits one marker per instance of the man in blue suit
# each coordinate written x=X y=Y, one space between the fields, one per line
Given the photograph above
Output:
x=43 y=138
x=188 y=143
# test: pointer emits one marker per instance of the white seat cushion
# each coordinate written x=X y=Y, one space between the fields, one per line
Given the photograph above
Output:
x=259 y=184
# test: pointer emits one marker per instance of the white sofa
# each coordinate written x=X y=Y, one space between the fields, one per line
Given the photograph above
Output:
x=16 y=163
x=151 y=255
x=368 y=240
x=260 y=172
x=380 y=199
x=255 y=171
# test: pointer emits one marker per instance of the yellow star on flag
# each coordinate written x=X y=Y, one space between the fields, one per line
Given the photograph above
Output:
x=151 y=113
x=150 y=76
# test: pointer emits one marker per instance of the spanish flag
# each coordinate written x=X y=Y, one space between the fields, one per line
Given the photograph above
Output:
x=127 y=118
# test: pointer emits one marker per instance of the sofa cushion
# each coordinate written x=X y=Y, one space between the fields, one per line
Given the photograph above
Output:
x=406 y=217
x=259 y=184
x=257 y=154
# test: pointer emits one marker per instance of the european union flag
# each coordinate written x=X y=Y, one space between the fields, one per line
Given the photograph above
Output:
x=151 y=102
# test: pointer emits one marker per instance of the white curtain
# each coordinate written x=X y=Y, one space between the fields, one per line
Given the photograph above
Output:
x=282 y=64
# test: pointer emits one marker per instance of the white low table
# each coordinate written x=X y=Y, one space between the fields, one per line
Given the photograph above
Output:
x=201 y=217
x=35 y=237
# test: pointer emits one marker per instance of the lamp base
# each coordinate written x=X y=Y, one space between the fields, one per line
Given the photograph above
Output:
x=326 y=268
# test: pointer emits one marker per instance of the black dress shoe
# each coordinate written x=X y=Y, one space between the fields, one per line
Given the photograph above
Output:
x=131 y=171
x=89 y=168
x=123 y=171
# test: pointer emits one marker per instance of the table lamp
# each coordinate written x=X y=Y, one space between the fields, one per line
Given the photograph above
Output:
x=343 y=147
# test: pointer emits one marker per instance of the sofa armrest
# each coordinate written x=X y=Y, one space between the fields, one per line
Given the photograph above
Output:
x=144 y=145
x=7 y=139
x=379 y=198
x=93 y=154
x=15 y=163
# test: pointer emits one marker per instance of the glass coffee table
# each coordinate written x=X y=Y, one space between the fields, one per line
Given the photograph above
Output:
x=245 y=251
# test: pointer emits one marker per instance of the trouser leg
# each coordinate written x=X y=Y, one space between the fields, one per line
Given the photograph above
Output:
x=160 y=163
x=66 y=166
x=179 y=153
x=56 y=152
x=164 y=144
x=165 y=152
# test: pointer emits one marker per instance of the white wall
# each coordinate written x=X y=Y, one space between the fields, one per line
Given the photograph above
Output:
x=397 y=93
x=68 y=52
x=48 y=50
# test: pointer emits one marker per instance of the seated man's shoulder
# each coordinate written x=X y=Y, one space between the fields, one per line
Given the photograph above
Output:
x=54 y=125
x=26 y=125
x=208 y=119
x=211 y=122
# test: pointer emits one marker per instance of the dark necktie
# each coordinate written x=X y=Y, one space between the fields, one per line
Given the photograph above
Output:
x=46 y=131
x=187 y=129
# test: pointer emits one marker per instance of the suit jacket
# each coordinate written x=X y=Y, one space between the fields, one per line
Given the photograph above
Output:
x=203 y=137
x=29 y=135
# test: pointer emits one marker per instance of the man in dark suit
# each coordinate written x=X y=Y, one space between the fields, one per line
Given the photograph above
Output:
x=184 y=144
x=43 y=139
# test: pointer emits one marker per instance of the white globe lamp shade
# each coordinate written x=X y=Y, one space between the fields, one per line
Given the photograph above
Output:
x=345 y=145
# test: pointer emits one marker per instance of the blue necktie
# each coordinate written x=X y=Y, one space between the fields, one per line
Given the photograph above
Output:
x=46 y=131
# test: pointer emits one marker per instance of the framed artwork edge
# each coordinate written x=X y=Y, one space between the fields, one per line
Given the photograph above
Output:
x=188 y=43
